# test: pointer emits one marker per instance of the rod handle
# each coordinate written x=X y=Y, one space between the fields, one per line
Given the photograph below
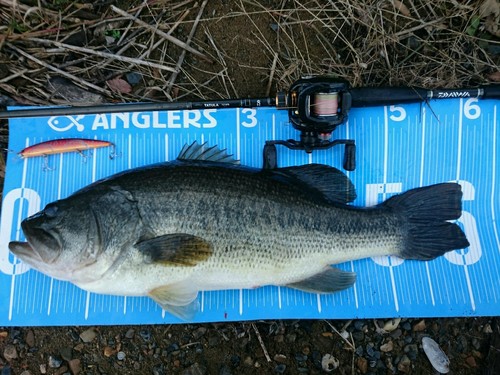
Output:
x=378 y=96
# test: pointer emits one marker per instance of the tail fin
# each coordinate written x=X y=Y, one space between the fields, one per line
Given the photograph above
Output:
x=427 y=210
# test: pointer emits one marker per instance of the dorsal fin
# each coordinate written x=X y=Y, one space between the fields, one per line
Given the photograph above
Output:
x=331 y=184
x=202 y=152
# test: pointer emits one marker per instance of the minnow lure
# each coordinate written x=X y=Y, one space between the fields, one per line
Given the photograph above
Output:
x=59 y=146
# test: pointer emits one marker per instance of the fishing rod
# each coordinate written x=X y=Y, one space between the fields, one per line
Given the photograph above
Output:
x=316 y=105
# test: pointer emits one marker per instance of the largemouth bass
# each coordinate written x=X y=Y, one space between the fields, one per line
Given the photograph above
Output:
x=203 y=222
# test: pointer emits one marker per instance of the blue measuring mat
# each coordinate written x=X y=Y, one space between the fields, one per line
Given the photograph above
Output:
x=398 y=148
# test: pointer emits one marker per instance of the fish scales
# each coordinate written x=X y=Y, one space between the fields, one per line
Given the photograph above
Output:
x=254 y=223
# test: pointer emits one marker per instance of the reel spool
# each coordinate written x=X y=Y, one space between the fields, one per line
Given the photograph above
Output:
x=316 y=106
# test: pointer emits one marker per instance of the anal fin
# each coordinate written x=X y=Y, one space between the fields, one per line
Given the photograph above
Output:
x=329 y=281
x=172 y=298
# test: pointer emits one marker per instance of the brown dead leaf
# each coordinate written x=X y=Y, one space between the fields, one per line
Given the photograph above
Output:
x=400 y=7
x=490 y=9
x=495 y=77
x=119 y=85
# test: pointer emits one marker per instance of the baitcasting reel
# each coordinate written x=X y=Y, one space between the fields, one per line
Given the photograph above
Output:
x=316 y=106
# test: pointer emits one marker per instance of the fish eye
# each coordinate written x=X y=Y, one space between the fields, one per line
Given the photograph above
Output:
x=51 y=210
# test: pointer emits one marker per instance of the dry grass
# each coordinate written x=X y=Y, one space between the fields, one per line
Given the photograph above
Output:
x=241 y=48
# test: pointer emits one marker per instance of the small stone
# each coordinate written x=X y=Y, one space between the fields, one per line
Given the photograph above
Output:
x=410 y=348
x=145 y=334
x=370 y=351
x=412 y=351
x=306 y=350
x=173 y=349
x=66 y=354
x=195 y=369
x=359 y=351
x=299 y=357
x=54 y=361
x=477 y=354
x=30 y=338
x=329 y=363
x=396 y=334
x=43 y=369
x=75 y=366
x=213 y=341
x=108 y=351
x=362 y=364
x=327 y=334
x=404 y=364
x=79 y=347
x=15 y=333
x=3 y=335
x=199 y=333
x=407 y=326
x=391 y=325
x=387 y=347
x=248 y=361
x=224 y=370
x=358 y=336
x=10 y=352
x=26 y=372
x=279 y=338
x=88 y=335
x=120 y=356
x=487 y=328
x=280 y=358
x=476 y=343
x=291 y=337
x=62 y=371
x=199 y=349
x=130 y=333
x=462 y=345
x=6 y=370
x=359 y=325
x=471 y=361
x=133 y=78
x=280 y=369
x=420 y=326
x=158 y=369
x=235 y=360
x=74 y=336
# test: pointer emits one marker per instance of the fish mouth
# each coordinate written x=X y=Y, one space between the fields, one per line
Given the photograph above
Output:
x=41 y=244
x=23 y=250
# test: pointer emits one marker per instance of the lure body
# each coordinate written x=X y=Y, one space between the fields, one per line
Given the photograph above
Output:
x=59 y=146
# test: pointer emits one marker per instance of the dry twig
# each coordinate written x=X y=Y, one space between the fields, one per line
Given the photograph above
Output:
x=177 y=70
x=168 y=37
x=261 y=342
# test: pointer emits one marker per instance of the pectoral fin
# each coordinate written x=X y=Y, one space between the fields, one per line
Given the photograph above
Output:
x=176 y=300
x=177 y=249
x=329 y=281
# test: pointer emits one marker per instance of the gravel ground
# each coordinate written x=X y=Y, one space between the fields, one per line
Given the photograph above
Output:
x=274 y=347
x=255 y=47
